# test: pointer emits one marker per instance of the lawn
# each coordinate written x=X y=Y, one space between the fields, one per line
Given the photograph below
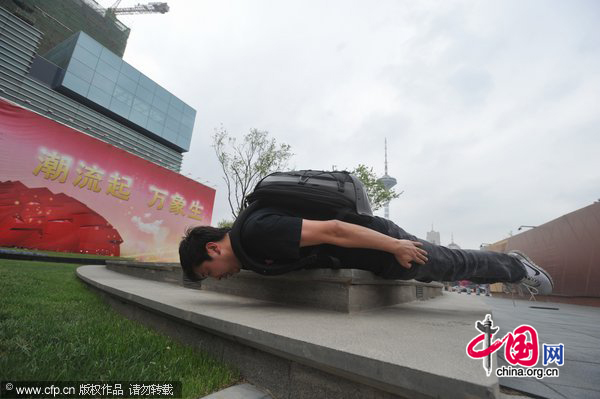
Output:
x=53 y=328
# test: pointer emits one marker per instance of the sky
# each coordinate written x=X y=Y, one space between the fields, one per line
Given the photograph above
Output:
x=491 y=109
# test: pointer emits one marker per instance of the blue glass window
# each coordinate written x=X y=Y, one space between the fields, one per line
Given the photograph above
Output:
x=157 y=116
x=85 y=56
x=126 y=83
x=80 y=70
x=144 y=93
x=138 y=118
x=174 y=113
x=176 y=103
x=111 y=59
x=147 y=83
x=160 y=103
x=90 y=44
x=186 y=131
x=141 y=106
x=187 y=121
x=172 y=124
x=154 y=126
x=123 y=95
x=162 y=94
x=102 y=83
x=189 y=111
x=107 y=71
x=80 y=86
x=99 y=96
x=169 y=134
x=120 y=108
x=183 y=141
x=130 y=72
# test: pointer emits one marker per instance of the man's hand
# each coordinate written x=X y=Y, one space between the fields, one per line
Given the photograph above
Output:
x=408 y=251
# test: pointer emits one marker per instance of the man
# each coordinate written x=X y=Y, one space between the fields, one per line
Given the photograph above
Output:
x=275 y=235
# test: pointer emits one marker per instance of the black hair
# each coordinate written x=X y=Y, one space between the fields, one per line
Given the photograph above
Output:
x=192 y=248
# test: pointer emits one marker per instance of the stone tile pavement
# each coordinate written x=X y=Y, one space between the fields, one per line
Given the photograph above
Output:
x=575 y=326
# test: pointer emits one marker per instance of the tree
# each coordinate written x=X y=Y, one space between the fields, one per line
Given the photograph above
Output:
x=247 y=161
x=378 y=195
x=225 y=223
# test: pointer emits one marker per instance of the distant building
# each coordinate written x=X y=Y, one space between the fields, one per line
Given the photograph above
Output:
x=452 y=244
x=59 y=20
x=433 y=236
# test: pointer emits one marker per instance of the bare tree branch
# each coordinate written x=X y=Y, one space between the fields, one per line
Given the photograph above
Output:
x=246 y=162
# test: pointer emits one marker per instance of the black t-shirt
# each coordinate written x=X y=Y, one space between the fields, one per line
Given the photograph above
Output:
x=272 y=235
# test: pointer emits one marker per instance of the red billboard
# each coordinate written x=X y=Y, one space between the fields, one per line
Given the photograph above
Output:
x=63 y=190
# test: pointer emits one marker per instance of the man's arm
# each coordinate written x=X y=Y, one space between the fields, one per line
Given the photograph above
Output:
x=348 y=235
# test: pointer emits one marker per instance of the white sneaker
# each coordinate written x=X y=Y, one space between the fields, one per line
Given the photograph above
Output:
x=537 y=281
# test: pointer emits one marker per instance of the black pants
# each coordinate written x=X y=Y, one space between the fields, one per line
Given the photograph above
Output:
x=445 y=264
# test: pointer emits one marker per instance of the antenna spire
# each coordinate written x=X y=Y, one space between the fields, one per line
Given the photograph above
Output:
x=386 y=169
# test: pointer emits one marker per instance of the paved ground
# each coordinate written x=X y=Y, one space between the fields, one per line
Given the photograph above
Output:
x=410 y=352
x=240 y=391
x=575 y=326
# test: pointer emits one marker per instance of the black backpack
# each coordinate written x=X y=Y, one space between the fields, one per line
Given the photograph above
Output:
x=310 y=194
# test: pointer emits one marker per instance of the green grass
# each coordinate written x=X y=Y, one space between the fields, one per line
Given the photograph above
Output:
x=67 y=254
x=53 y=328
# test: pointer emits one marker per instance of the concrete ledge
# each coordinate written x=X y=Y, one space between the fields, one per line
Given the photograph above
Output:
x=165 y=272
x=412 y=350
x=343 y=290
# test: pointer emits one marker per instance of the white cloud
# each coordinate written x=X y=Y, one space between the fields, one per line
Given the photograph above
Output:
x=155 y=228
x=490 y=109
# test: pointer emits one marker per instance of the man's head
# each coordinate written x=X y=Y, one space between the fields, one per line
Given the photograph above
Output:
x=206 y=251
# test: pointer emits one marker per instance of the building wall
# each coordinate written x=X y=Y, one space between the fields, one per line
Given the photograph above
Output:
x=18 y=45
x=59 y=19
x=567 y=247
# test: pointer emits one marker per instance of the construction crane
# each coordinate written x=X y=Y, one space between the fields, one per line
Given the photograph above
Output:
x=149 y=8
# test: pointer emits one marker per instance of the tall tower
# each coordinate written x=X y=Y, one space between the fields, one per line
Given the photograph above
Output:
x=433 y=236
x=388 y=182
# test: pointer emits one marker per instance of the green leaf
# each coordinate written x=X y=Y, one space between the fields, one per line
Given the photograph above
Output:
x=378 y=195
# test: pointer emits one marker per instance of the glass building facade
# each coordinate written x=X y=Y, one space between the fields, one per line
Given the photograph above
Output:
x=101 y=77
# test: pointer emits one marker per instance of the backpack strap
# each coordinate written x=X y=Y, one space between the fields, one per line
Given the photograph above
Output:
x=307 y=174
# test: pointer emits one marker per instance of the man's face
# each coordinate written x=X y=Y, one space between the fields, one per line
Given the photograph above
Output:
x=223 y=262
x=222 y=265
x=216 y=268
